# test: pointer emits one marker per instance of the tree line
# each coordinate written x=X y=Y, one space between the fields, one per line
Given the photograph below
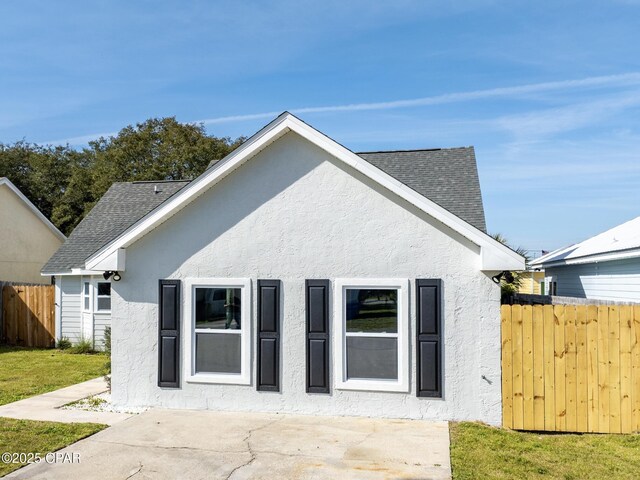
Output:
x=65 y=183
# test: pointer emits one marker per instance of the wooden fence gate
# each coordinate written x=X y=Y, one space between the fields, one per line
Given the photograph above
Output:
x=28 y=315
x=571 y=368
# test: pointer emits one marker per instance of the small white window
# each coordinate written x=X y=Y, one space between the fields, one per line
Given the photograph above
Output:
x=370 y=335
x=219 y=321
x=103 y=297
x=86 y=296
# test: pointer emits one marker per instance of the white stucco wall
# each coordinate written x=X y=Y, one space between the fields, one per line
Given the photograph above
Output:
x=293 y=213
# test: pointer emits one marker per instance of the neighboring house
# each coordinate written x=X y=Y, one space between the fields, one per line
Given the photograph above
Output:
x=27 y=237
x=297 y=276
x=531 y=282
x=83 y=297
x=604 y=267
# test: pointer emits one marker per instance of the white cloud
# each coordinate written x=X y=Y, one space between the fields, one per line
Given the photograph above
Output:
x=621 y=80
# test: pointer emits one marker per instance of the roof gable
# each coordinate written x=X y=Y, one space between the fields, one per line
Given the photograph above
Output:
x=494 y=255
x=6 y=182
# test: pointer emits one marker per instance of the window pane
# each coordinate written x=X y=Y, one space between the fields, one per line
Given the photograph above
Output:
x=218 y=353
x=372 y=357
x=86 y=288
x=104 y=289
x=218 y=308
x=372 y=310
x=104 y=303
x=86 y=303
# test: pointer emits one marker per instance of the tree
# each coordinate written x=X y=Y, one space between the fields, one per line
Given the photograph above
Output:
x=64 y=183
x=40 y=173
x=157 y=149
x=74 y=203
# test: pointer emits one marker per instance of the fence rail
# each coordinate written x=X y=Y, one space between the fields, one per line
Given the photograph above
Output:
x=28 y=314
x=571 y=368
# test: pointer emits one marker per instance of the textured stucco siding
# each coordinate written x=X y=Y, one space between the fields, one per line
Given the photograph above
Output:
x=27 y=242
x=295 y=213
x=70 y=308
x=617 y=280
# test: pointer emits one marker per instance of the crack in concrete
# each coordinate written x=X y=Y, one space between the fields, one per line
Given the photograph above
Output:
x=163 y=447
x=136 y=472
x=247 y=440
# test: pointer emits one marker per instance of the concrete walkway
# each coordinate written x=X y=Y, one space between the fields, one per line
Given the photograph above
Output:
x=225 y=445
x=47 y=406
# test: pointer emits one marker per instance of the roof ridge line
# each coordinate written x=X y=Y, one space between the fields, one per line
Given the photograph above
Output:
x=415 y=150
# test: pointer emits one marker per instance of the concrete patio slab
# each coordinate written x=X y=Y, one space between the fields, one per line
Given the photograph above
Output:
x=46 y=407
x=227 y=445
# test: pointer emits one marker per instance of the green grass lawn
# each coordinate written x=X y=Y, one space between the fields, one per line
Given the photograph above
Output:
x=481 y=452
x=28 y=436
x=25 y=372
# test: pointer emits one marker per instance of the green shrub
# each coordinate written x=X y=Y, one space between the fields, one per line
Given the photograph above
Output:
x=83 y=346
x=64 y=343
x=107 y=350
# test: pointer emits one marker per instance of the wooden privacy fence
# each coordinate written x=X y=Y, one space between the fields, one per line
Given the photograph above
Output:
x=28 y=315
x=571 y=368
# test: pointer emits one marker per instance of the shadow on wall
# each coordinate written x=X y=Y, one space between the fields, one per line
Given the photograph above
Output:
x=164 y=251
x=236 y=205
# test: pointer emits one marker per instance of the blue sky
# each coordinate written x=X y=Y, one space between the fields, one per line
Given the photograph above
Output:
x=547 y=92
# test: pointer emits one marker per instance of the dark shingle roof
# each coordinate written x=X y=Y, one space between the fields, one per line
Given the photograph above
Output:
x=447 y=176
x=122 y=206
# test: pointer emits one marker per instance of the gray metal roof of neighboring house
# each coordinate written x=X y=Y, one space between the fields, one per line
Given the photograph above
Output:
x=446 y=176
x=123 y=205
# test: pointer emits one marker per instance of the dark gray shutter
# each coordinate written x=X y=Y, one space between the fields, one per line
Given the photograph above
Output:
x=317 y=303
x=169 y=334
x=429 y=338
x=268 y=335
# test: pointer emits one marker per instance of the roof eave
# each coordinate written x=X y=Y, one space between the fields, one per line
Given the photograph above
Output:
x=592 y=258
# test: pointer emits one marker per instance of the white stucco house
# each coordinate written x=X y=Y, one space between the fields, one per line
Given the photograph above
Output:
x=27 y=237
x=297 y=276
x=603 y=267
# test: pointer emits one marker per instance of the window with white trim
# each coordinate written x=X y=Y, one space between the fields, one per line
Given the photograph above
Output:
x=103 y=297
x=371 y=335
x=86 y=296
x=220 y=324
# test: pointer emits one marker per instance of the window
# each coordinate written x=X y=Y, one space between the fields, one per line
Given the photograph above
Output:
x=371 y=335
x=220 y=343
x=103 y=297
x=86 y=297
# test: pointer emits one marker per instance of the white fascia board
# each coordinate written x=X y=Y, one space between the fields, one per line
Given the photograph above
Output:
x=114 y=261
x=72 y=272
x=494 y=255
x=34 y=209
x=600 y=257
x=543 y=259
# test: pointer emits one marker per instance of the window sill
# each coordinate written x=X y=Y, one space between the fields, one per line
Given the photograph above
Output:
x=373 y=386
x=218 y=379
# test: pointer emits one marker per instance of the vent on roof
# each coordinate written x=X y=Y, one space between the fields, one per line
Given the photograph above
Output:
x=156 y=189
